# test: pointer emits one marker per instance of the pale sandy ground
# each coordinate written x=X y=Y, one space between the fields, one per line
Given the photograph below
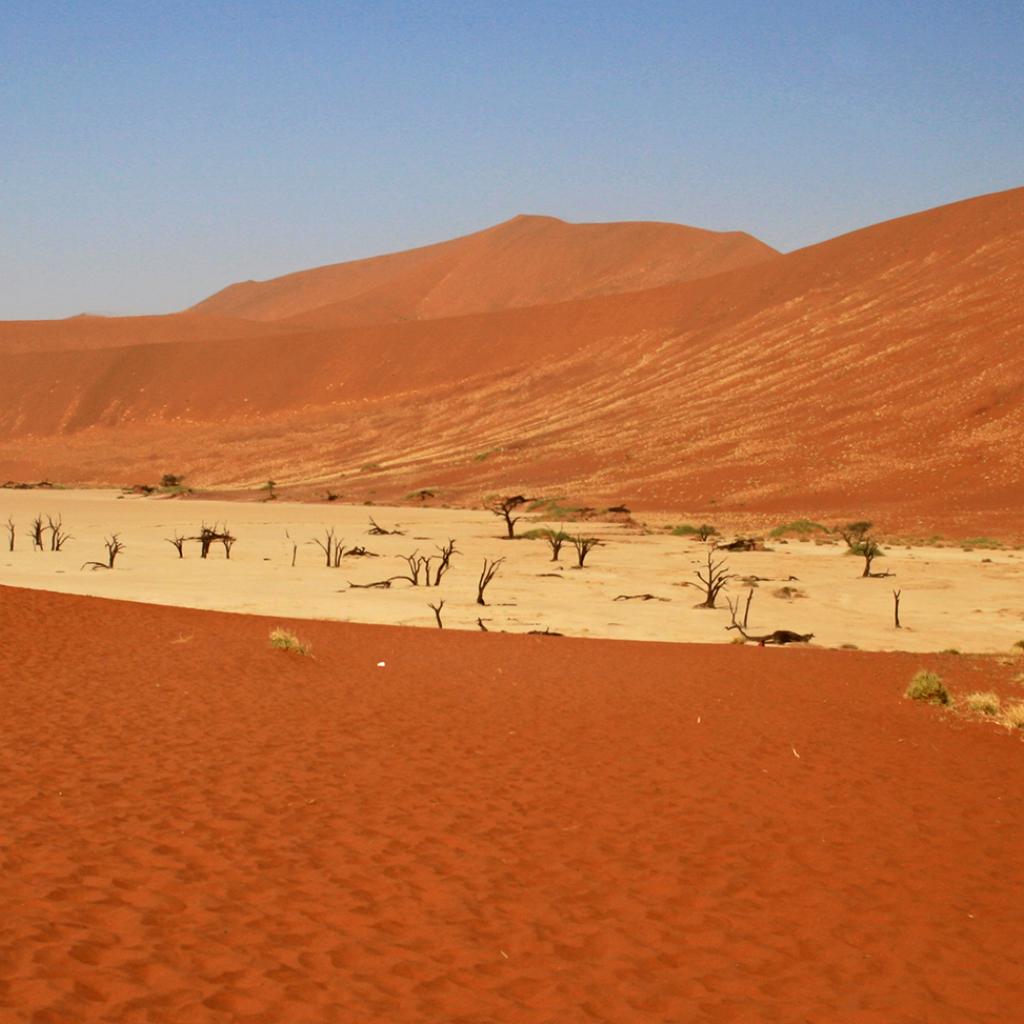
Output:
x=971 y=601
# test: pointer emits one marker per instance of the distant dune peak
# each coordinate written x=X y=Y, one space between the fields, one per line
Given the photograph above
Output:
x=530 y=259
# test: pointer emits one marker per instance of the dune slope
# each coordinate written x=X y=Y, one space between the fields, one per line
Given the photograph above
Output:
x=880 y=372
x=80 y=333
x=489 y=828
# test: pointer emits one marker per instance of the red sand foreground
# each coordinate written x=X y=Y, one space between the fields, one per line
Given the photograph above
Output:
x=196 y=827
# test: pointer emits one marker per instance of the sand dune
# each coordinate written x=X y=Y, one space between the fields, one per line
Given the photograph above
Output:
x=526 y=261
x=79 y=333
x=490 y=828
x=880 y=372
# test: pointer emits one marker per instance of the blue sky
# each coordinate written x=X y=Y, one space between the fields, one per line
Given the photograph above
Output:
x=154 y=152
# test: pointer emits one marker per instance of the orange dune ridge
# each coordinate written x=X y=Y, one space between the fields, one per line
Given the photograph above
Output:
x=878 y=373
x=522 y=829
x=526 y=261
x=91 y=332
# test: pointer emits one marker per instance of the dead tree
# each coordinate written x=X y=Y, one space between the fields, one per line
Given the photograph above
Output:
x=295 y=547
x=437 y=613
x=778 y=637
x=378 y=531
x=445 y=564
x=58 y=535
x=480 y=623
x=331 y=547
x=734 y=607
x=896 y=608
x=10 y=534
x=504 y=507
x=487 y=574
x=712 y=580
x=639 y=597
x=555 y=539
x=376 y=585
x=114 y=546
x=583 y=546
x=417 y=563
x=36 y=533
x=360 y=552
x=178 y=542
x=210 y=535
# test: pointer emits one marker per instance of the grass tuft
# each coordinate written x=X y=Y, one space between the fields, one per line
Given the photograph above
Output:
x=928 y=687
x=986 y=703
x=283 y=640
x=1013 y=715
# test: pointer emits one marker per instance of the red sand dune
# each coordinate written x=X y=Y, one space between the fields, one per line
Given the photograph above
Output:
x=877 y=373
x=92 y=332
x=526 y=261
x=491 y=828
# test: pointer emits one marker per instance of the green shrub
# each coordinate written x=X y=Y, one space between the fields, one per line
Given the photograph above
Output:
x=703 y=531
x=803 y=526
x=927 y=686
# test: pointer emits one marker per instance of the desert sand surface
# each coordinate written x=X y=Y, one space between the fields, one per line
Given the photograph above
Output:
x=951 y=598
x=877 y=374
x=442 y=826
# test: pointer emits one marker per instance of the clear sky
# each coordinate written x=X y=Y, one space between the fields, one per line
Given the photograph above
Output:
x=152 y=152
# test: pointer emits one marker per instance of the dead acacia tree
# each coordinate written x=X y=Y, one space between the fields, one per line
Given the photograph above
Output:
x=178 y=542
x=896 y=608
x=583 y=546
x=210 y=535
x=503 y=507
x=778 y=637
x=114 y=546
x=295 y=547
x=437 y=613
x=444 y=564
x=421 y=567
x=36 y=533
x=487 y=574
x=378 y=531
x=332 y=548
x=10 y=534
x=712 y=580
x=58 y=535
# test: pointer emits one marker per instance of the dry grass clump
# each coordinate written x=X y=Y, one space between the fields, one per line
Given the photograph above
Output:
x=986 y=703
x=1013 y=715
x=283 y=640
x=928 y=687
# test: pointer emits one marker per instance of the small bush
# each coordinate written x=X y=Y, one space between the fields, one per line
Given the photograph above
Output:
x=704 y=531
x=283 y=640
x=984 y=703
x=927 y=686
x=803 y=526
x=1013 y=716
x=1019 y=645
